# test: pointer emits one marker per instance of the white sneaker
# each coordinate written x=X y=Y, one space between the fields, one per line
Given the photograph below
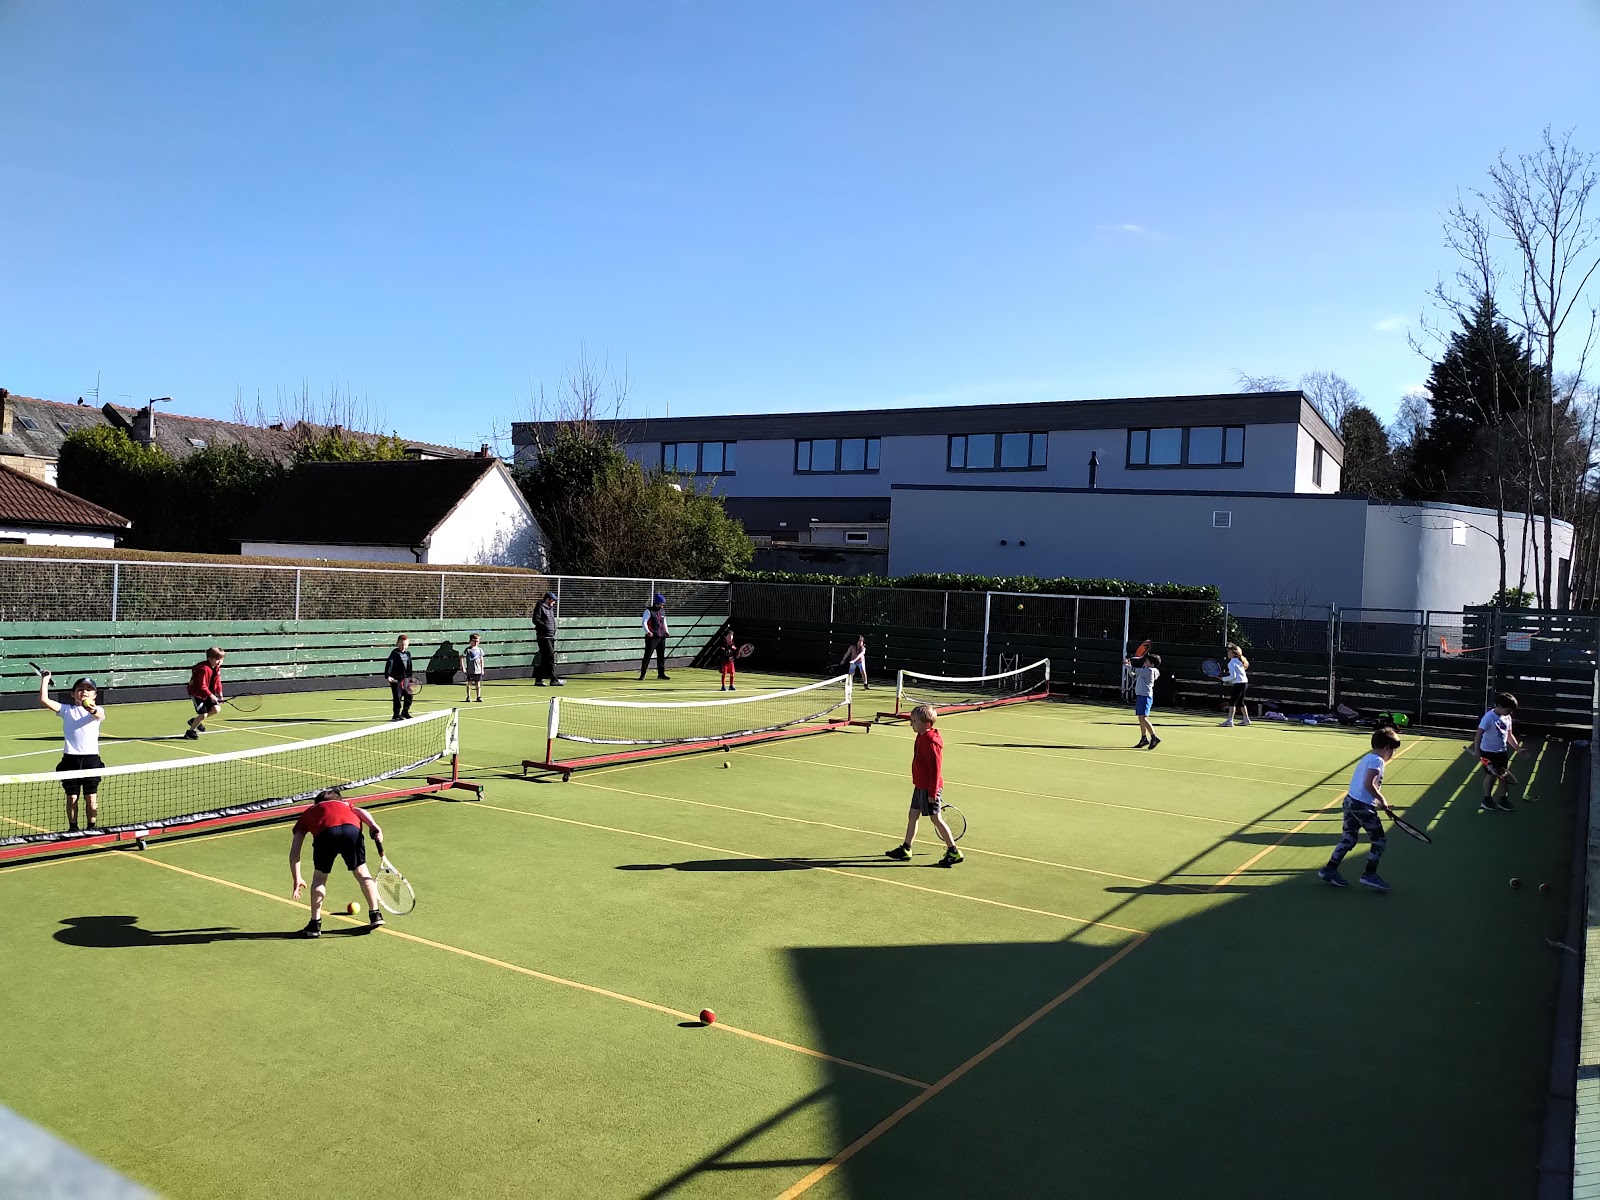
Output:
x=1228 y=724
x=1244 y=721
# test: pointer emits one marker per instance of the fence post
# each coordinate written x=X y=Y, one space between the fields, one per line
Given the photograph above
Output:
x=1333 y=648
x=831 y=592
x=1422 y=665
x=441 y=597
x=116 y=580
x=1491 y=659
x=297 y=595
x=1226 y=629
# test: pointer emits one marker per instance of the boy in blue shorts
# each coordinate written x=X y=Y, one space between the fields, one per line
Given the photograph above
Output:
x=1144 y=698
x=1361 y=805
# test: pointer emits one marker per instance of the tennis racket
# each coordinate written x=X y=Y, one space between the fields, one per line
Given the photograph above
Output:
x=955 y=819
x=245 y=702
x=1144 y=648
x=394 y=893
x=1496 y=771
x=39 y=671
x=411 y=685
x=1211 y=669
x=1410 y=830
x=746 y=650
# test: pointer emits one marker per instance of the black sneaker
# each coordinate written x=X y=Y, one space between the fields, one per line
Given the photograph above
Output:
x=1154 y=742
x=1142 y=744
x=313 y=929
x=951 y=857
x=538 y=683
x=1506 y=805
x=663 y=676
x=374 y=918
x=190 y=735
x=900 y=853
x=1331 y=875
x=200 y=728
x=1487 y=804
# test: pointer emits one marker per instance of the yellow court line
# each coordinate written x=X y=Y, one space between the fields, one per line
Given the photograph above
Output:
x=990 y=787
x=751 y=812
x=547 y=978
x=1266 y=850
x=655 y=837
x=921 y=1098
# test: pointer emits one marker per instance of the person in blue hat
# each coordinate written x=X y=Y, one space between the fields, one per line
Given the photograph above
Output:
x=655 y=637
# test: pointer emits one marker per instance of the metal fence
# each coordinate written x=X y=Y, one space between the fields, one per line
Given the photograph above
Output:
x=64 y=589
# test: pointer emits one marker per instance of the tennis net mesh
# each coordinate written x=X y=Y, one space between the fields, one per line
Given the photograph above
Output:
x=146 y=798
x=955 y=693
x=595 y=732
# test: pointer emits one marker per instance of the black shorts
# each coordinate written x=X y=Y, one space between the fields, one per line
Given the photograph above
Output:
x=1500 y=760
x=1236 y=696
x=471 y=678
x=341 y=841
x=204 y=707
x=928 y=805
x=81 y=762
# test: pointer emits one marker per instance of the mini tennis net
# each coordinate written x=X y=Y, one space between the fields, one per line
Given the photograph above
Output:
x=592 y=733
x=962 y=693
x=146 y=799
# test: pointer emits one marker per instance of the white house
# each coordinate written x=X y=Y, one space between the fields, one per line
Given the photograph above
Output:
x=33 y=513
x=465 y=510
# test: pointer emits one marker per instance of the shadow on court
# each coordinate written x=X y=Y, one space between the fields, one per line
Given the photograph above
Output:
x=121 y=932
x=736 y=865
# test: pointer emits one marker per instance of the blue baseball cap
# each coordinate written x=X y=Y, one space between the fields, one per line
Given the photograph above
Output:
x=85 y=682
x=660 y=599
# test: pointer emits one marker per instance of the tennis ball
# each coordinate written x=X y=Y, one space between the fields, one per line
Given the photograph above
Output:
x=707 y=1017
x=1544 y=889
x=352 y=908
x=1019 y=608
x=1515 y=882
x=726 y=764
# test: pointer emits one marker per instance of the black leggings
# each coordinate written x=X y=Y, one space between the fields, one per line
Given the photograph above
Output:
x=657 y=646
x=402 y=701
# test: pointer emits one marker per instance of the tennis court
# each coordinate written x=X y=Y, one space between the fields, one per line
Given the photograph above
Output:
x=1132 y=986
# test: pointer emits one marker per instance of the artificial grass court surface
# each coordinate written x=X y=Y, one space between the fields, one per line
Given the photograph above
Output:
x=1133 y=986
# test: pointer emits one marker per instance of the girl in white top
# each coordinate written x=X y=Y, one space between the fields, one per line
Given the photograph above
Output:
x=80 y=751
x=1239 y=683
x=854 y=659
x=1361 y=807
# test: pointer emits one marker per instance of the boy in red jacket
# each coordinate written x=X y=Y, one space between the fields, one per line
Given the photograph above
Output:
x=927 y=787
x=205 y=689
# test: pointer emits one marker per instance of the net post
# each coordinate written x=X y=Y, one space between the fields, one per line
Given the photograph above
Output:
x=116 y=579
x=441 y=597
x=988 y=599
x=849 y=698
x=899 y=691
x=1333 y=634
x=551 y=728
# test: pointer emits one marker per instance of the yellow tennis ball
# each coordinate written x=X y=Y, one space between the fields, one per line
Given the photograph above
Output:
x=352 y=908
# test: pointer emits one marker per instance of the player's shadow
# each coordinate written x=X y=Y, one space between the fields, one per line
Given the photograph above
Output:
x=1047 y=746
x=120 y=932
x=770 y=864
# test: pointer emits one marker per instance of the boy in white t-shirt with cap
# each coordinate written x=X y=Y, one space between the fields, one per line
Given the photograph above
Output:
x=1144 y=698
x=80 y=749
x=1361 y=805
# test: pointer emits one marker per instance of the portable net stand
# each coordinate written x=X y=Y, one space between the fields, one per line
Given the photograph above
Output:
x=955 y=693
x=593 y=733
x=148 y=799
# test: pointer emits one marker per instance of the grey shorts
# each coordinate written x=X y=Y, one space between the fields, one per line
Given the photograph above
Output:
x=928 y=806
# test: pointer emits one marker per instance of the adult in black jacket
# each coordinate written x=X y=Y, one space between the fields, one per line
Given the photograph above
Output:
x=397 y=671
x=544 y=628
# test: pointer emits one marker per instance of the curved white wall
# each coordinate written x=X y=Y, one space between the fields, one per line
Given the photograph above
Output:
x=1445 y=556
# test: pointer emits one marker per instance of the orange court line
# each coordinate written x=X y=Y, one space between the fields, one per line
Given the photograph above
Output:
x=654 y=837
x=547 y=978
x=751 y=812
x=917 y=1101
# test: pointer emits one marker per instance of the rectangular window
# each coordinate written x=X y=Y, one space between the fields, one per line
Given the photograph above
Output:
x=1458 y=533
x=998 y=451
x=835 y=456
x=1195 y=446
x=1205 y=445
x=698 y=458
x=855 y=537
x=1221 y=518
x=1316 y=465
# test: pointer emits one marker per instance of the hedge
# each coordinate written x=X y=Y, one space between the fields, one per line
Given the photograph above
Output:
x=1063 y=585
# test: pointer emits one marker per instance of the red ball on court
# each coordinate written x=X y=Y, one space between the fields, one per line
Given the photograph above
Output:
x=707 y=1017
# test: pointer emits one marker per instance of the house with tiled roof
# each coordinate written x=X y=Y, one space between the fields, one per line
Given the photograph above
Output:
x=35 y=513
x=463 y=510
x=32 y=431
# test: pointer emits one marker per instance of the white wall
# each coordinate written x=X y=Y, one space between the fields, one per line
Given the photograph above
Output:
x=1305 y=454
x=492 y=526
x=329 y=552
x=43 y=537
x=1413 y=561
x=1309 y=548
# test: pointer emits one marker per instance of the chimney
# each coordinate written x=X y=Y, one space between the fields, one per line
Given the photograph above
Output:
x=144 y=423
x=6 y=415
x=1094 y=467
x=278 y=427
x=483 y=451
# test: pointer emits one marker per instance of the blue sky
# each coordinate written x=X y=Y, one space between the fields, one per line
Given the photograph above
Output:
x=753 y=207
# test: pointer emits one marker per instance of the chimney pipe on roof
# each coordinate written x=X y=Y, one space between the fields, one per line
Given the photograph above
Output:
x=6 y=415
x=483 y=451
x=1094 y=467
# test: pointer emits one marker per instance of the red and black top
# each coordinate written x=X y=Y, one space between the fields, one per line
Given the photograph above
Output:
x=205 y=681
x=927 y=762
x=326 y=814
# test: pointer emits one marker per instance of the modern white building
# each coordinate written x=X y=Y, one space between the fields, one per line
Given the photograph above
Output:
x=34 y=513
x=782 y=473
x=464 y=510
x=1285 y=549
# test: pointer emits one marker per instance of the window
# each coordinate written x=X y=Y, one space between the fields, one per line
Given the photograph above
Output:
x=855 y=537
x=197 y=443
x=28 y=423
x=1458 y=533
x=1316 y=464
x=836 y=456
x=699 y=458
x=1195 y=446
x=64 y=427
x=999 y=451
x=1221 y=518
